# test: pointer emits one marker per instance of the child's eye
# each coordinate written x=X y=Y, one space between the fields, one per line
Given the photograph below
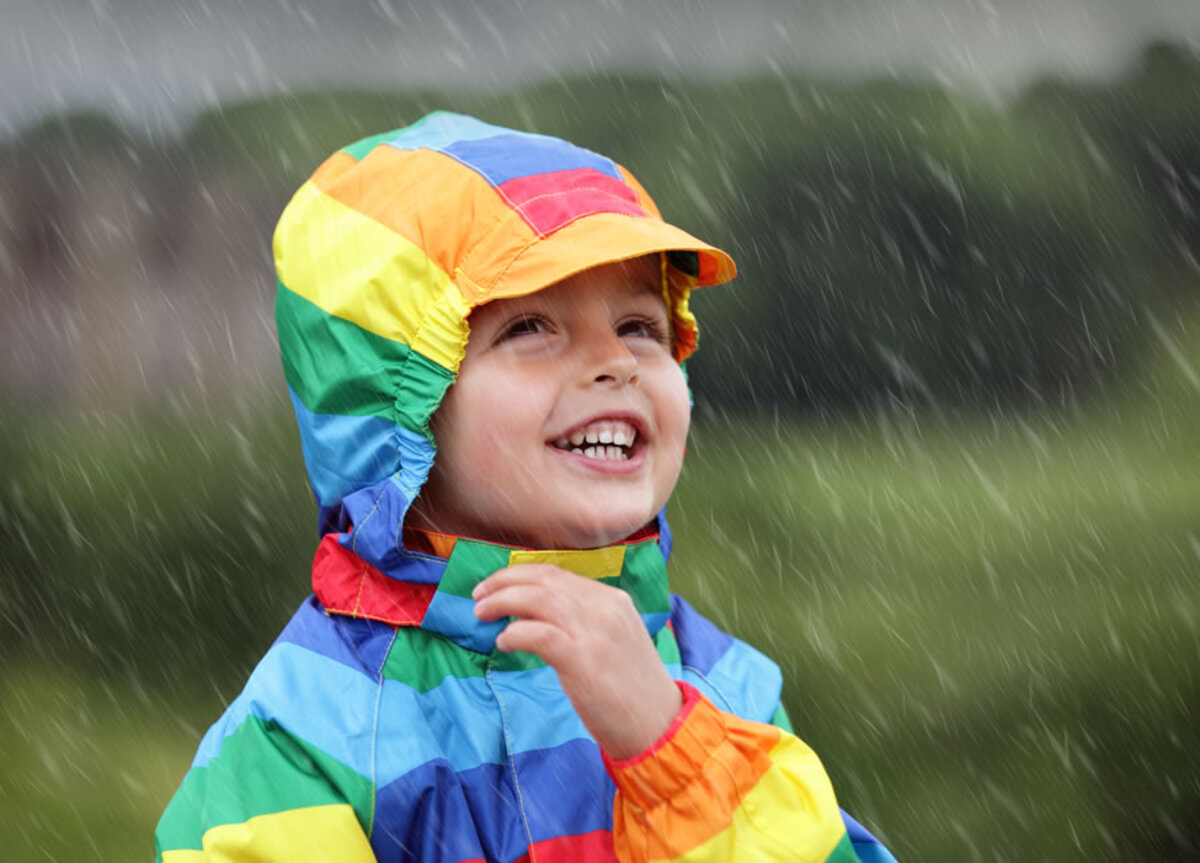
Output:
x=525 y=325
x=644 y=328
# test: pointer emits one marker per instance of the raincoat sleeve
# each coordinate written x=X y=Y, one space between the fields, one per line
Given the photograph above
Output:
x=269 y=783
x=721 y=788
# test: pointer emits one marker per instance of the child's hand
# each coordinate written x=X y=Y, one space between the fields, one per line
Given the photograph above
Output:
x=591 y=634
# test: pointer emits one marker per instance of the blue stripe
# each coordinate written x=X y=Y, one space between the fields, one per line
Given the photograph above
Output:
x=317 y=699
x=357 y=644
x=377 y=512
x=482 y=803
x=513 y=155
x=700 y=643
x=866 y=846
x=747 y=683
x=343 y=453
x=496 y=153
x=431 y=814
x=574 y=778
x=454 y=617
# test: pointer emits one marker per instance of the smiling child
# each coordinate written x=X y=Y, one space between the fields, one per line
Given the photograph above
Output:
x=482 y=332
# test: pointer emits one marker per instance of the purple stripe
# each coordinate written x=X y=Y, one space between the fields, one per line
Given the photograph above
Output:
x=700 y=643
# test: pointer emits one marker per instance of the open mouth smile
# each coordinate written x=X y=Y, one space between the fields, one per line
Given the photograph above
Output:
x=603 y=440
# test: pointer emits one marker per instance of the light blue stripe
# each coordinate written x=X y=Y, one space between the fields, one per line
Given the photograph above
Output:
x=743 y=681
x=443 y=128
x=314 y=697
x=454 y=617
x=343 y=453
x=332 y=707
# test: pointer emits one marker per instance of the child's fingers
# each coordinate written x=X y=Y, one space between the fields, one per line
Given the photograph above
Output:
x=535 y=601
x=545 y=640
x=525 y=573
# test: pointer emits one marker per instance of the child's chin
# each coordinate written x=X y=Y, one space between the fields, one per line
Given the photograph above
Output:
x=599 y=533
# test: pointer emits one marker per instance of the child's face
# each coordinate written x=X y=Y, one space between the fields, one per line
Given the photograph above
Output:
x=588 y=358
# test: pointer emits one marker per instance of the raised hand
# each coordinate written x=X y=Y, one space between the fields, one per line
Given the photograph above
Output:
x=591 y=634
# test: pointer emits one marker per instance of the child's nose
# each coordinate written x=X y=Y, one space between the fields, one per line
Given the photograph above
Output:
x=609 y=360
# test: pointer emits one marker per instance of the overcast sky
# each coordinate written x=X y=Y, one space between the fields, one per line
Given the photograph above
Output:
x=156 y=62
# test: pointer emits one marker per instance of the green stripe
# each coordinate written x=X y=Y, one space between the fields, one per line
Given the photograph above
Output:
x=843 y=852
x=360 y=148
x=667 y=646
x=261 y=770
x=644 y=577
x=337 y=367
x=781 y=720
x=423 y=385
x=469 y=564
x=423 y=660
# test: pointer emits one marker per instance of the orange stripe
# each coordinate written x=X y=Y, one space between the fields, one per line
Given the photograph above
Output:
x=451 y=213
x=661 y=811
x=639 y=190
x=790 y=813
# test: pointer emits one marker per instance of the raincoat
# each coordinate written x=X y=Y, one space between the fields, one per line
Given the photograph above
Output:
x=383 y=724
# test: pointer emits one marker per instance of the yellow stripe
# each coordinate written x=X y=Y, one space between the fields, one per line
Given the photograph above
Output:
x=790 y=814
x=590 y=562
x=314 y=833
x=354 y=268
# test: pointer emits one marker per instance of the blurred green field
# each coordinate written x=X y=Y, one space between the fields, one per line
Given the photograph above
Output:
x=988 y=625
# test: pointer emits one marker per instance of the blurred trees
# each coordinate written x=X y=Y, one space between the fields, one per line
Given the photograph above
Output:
x=896 y=241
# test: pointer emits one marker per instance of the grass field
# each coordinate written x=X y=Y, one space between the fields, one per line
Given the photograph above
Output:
x=988 y=626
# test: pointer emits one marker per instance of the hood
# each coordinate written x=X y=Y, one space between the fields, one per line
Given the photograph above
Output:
x=384 y=252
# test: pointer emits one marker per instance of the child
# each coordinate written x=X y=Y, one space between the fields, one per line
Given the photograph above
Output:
x=400 y=715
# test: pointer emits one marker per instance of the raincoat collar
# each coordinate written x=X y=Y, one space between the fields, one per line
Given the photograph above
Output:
x=434 y=593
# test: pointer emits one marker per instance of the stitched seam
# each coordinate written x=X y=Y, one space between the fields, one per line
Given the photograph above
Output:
x=483 y=236
x=511 y=760
x=728 y=707
x=520 y=208
x=362 y=615
x=375 y=727
x=374 y=508
x=362 y=583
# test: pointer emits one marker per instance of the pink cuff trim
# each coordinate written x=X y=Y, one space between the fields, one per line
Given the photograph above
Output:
x=691 y=697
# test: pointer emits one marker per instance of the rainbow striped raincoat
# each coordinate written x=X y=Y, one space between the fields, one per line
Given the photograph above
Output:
x=383 y=723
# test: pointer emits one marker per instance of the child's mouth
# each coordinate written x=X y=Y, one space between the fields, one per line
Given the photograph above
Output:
x=605 y=440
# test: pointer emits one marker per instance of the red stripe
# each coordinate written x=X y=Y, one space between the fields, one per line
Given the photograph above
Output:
x=347 y=584
x=550 y=201
x=596 y=845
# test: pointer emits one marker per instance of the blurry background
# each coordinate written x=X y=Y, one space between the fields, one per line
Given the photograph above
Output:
x=945 y=466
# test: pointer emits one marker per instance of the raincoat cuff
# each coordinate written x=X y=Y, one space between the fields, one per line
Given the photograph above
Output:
x=672 y=762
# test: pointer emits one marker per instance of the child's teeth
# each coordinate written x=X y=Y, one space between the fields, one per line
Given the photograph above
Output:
x=603 y=441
